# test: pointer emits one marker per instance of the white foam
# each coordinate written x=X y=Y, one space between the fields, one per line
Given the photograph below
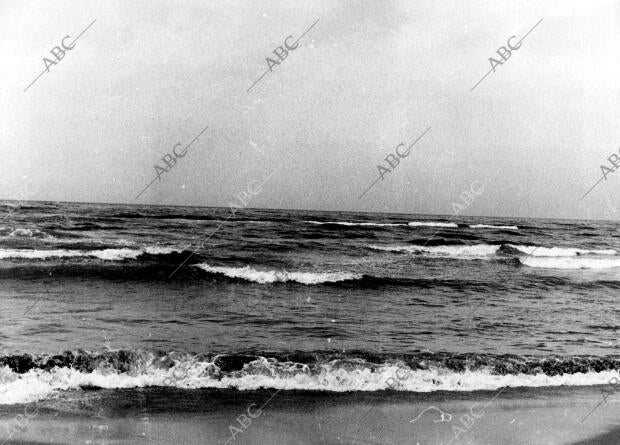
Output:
x=104 y=254
x=29 y=233
x=488 y=226
x=345 y=223
x=160 y=250
x=115 y=241
x=560 y=251
x=273 y=276
x=570 y=262
x=341 y=380
x=475 y=251
x=38 y=384
x=431 y=224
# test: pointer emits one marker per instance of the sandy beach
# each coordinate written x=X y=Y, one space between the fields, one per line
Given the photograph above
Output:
x=511 y=416
x=313 y=222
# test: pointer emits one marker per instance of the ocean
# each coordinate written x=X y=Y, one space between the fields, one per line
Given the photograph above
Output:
x=123 y=297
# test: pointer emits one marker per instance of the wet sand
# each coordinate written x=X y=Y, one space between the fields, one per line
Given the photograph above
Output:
x=156 y=415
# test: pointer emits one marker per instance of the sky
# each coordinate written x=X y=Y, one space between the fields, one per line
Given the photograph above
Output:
x=368 y=76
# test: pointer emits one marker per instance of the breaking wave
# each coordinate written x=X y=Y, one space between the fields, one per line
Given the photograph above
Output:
x=457 y=251
x=276 y=276
x=551 y=257
x=24 y=378
x=411 y=224
x=103 y=254
x=488 y=226
x=361 y=224
x=432 y=224
x=570 y=262
x=26 y=233
x=560 y=251
x=79 y=241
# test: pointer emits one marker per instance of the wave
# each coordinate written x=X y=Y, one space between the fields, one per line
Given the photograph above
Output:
x=80 y=241
x=458 y=251
x=432 y=224
x=360 y=224
x=41 y=236
x=275 y=276
x=27 y=233
x=488 y=250
x=488 y=226
x=139 y=215
x=410 y=224
x=103 y=254
x=559 y=251
x=570 y=262
x=24 y=378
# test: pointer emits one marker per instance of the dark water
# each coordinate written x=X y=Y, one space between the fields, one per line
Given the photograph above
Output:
x=93 y=295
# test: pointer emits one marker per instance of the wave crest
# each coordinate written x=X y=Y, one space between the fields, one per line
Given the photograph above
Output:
x=103 y=254
x=26 y=379
x=361 y=224
x=570 y=262
x=274 y=276
x=29 y=233
x=457 y=251
x=488 y=226
x=559 y=251
x=432 y=224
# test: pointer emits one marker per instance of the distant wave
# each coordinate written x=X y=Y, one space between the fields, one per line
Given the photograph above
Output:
x=487 y=250
x=478 y=250
x=164 y=216
x=410 y=224
x=275 y=276
x=432 y=224
x=27 y=233
x=24 y=378
x=570 y=262
x=345 y=223
x=103 y=254
x=79 y=241
x=42 y=236
x=559 y=251
x=487 y=226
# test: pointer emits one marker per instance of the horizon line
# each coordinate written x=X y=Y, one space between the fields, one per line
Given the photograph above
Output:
x=305 y=210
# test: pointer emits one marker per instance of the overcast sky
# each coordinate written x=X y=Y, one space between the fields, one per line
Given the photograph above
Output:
x=370 y=75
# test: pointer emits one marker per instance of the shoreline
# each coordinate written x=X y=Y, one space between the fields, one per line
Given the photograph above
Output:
x=513 y=415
